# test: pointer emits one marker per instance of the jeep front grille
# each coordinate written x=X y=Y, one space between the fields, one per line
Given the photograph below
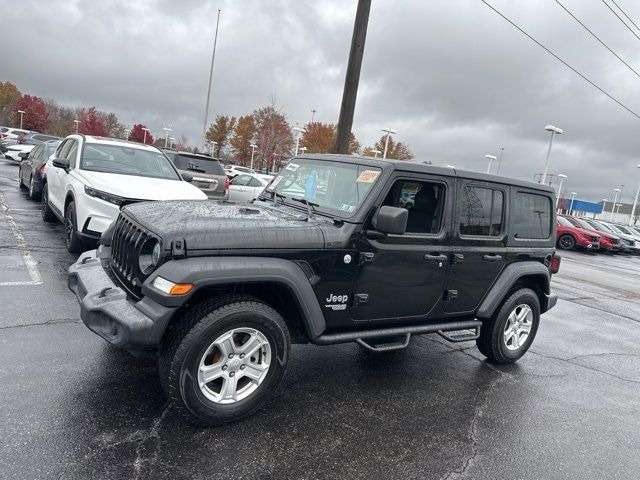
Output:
x=128 y=238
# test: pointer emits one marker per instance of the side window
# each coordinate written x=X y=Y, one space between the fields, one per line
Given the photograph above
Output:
x=72 y=154
x=254 y=182
x=63 y=149
x=424 y=200
x=481 y=211
x=532 y=216
x=35 y=153
x=241 y=180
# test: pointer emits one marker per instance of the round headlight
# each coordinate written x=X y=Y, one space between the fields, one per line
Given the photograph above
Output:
x=149 y=256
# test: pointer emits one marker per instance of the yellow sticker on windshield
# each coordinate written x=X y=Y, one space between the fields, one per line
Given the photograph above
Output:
x=368 y=176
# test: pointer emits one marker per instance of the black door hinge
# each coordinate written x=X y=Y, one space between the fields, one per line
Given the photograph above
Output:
x=450 y=295
x=178 y=249
x=365 y=257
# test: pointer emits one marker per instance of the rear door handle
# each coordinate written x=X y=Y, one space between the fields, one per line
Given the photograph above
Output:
x=492 y=258
x=435 y=257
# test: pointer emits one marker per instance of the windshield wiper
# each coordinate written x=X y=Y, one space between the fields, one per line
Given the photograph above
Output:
x=310 y=205
x=277 y=195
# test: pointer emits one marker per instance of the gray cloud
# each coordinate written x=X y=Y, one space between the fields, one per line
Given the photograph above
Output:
x=452 y=77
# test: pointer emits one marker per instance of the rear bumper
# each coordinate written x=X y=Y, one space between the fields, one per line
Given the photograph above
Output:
x=106 y=310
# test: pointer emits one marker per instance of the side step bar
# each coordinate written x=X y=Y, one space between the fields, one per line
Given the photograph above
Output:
x=439 y=328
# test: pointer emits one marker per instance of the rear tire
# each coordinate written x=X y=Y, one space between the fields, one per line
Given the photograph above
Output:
x=193 y=345
x=20 y=184
x=73 y=241
x=33 y=195
x=508 y=334
x=46 y=212
x=566 y=242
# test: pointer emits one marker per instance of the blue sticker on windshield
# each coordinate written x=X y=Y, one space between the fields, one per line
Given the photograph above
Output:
x=310 y=185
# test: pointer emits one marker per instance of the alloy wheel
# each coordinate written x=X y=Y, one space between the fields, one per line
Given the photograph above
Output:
x=234 y=365
x=518 y=327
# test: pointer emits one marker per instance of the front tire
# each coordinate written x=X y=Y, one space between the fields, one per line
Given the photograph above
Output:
x=566 y=242
x=507 y=336
x=46 y=212
x=222 y=359
x=73 y=241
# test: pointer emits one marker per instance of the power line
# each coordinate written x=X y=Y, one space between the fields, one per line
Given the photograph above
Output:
x=620 y=18
x=598 y=38
x=625 y=14
x=584 y=77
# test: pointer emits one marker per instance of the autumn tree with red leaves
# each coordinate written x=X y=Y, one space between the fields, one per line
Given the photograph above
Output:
x=321 y=138
x=273 y=136
x=92 y=123
x=36 y=116
x=137 y=134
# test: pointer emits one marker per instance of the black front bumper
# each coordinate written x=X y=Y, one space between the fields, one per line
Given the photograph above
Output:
x=106 y=310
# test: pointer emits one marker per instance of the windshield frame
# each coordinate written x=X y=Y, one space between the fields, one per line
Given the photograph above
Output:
x=81 y=166
x=293 y=201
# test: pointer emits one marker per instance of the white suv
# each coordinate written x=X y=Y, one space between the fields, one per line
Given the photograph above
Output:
x=88 y=179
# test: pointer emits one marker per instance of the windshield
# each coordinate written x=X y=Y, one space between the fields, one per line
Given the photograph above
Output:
x=564 y=222
x=51 y=147
x=125 y=160
x=335 y=188
x=197 y=164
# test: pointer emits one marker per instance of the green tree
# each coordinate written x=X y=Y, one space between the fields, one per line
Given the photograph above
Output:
x=220 y=132
x=9 y=94
x=114 y=128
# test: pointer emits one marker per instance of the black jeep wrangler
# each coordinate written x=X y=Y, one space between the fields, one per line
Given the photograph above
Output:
x=336 y=249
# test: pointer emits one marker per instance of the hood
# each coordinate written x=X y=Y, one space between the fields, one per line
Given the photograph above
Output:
x=213 y=225
x=143 y=188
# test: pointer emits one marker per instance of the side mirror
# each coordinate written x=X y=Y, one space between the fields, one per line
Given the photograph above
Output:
x=392 y=220
x=23 y=155
x=61 y=163
x=187 y=177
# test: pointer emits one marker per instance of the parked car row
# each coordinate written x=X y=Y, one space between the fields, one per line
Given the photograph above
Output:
x=590 y=234
x=14 y=141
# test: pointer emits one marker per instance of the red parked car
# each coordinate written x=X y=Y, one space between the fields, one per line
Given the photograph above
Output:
x=608 y=243
x=569 y=237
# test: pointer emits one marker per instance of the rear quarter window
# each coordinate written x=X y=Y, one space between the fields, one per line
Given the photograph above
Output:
x=531 y=216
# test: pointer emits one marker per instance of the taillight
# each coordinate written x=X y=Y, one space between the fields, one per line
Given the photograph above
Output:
x=555 y=264
x=226 y=183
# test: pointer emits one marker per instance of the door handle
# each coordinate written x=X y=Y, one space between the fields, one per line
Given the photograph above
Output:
x=492 y=258
x=435 y=257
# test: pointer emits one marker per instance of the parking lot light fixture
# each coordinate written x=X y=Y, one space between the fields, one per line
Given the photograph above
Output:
x=171 y=140
x=615 y=200
x=77 y=122
x=561 y=176
x=253 y=149
x=635 y=204
x=491 y=159
x=390 y=132
x=554 y=131
x=144 y=140
x=21 y=112
x=166 y=136
x=500 y=160
x=375 y=153
x=573 y=196
x=299 y=131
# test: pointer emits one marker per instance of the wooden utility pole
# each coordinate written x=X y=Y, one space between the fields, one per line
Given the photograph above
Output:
x=352 y=78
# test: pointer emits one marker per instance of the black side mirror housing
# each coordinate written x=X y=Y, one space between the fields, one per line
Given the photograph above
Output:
x=61 y=163
x=187 y=177
x=392 y=220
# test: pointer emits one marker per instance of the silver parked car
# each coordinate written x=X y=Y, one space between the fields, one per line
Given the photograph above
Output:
x=207 y=172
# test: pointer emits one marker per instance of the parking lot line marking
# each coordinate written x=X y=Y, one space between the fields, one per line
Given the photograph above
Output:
x=27 y=258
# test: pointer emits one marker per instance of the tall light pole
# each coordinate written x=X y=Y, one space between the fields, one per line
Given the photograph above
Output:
x=376 y=153
x=213 y=146
x=21 y=112
x=313 y=114
x=253 y=149
x=389 y=131
x=500 y=160
x=77 y=122
x=615 y=200
x=604 y=205
x=491 y=159
x=561 y=176
x=635 y=203
x=166 y=135
x=213 y=57
x=171 y=140
x=554 y=131
x=573 y=196
x=299 y=131
x=145 y=135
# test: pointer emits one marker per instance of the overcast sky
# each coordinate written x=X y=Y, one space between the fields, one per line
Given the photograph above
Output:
x=452 y=77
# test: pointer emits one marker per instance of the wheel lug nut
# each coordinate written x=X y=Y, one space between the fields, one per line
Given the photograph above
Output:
x=242 y=355
x=232 y=374
x=242 y=367
x=224 y=367
x=231 y=355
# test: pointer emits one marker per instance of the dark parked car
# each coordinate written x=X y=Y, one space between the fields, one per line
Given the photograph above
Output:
x=206 y=173
x=220 y=290
x=570 y=237
x=30 y=173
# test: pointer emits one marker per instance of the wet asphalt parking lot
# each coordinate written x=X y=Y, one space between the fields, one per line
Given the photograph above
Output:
x=73 y=407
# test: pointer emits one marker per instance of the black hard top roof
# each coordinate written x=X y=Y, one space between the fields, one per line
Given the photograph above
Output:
x=414 y=167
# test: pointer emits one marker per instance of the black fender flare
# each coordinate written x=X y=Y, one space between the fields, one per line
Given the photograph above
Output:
x=503 y=285
x=208 y=271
